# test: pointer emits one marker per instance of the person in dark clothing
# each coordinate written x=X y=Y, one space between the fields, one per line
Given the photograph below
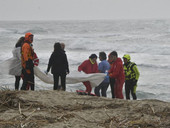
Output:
x=58 y=64
x=112 y=83
x=112 y=80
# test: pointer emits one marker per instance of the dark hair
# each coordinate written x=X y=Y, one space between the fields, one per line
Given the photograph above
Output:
x=102 y=55
x=20 y=42
x=114 y=53
x=57 y=46
x=93 y=56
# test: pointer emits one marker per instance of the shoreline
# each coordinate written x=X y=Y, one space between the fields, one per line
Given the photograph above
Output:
x=49 y=109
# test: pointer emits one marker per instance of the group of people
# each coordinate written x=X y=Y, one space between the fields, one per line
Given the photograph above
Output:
x=23 y=63
x=116 y=72
x=25 y=58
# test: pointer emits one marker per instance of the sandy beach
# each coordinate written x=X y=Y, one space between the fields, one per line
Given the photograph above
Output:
x=58 y=109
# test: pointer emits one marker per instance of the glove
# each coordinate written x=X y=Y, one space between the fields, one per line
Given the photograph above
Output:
x=106 y=77
x=46 y=72
x=67 y=71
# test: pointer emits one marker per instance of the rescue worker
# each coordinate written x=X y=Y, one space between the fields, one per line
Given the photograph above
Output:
x=131 y=77
x=27 y=56
x=89 y=66
x=117 y=72
x=36 y=63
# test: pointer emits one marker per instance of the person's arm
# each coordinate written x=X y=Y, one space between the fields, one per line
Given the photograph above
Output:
x=135 y=69
x=82 y=66
x=36 y=59
x=115 y=70
x=67 y=65
x=100 y=67
x=50 y=63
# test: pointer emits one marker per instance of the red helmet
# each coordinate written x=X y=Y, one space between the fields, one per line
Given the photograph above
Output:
x=27 y=35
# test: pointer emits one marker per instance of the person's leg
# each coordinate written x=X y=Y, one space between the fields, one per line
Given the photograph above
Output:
x=32 y=83
x=88 y=86
x=127 y=90
x=63 y=82
x=17 y=80
x=133 y=92
x=30 y=80
x=56 y=78
x=104 y=89
x=97 y=89
x=112 y=82
x=25 y=79
x=119 y=86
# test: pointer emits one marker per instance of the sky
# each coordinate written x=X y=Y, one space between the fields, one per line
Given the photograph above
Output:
x=84 y=9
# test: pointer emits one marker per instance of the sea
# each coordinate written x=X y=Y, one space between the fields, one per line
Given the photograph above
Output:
x=146 y=41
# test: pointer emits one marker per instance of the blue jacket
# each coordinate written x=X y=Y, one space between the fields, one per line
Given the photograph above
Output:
x=103 y=67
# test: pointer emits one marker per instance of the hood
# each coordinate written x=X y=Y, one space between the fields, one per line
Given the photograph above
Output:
x=27 y=35
x=119 y=60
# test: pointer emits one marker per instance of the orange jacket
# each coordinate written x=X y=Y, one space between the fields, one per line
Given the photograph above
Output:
x=26 y=54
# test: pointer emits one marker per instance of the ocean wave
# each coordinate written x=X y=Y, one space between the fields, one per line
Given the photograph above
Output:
x=154 y=66
x=36 y=30
x=145 y=95
x=148 y=95
x=3 y=30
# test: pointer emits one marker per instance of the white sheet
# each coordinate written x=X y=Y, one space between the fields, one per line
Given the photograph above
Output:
x=72 y=78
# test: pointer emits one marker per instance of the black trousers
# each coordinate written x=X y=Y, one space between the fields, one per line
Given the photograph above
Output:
x=103 y=87
x=28 y=80
x=130 y=87
x=112 y=83
x=56 y=80
x=17 y=80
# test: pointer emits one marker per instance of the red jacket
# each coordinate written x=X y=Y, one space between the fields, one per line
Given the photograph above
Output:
x=35 y=59
x=88 y=67
x=117 y=71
